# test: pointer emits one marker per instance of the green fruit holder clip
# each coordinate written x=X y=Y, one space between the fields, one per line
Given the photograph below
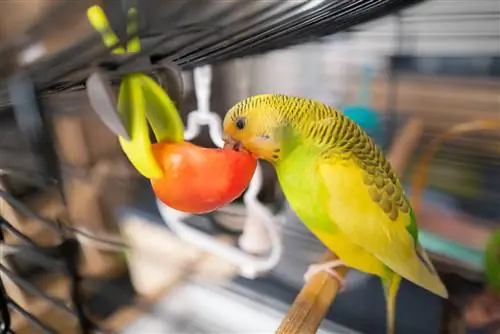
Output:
x=141 y=100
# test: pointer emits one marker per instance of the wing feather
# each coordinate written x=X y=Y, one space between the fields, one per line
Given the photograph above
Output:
x=371 y=226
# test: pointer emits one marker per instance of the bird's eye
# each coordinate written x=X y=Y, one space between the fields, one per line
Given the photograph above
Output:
x=240 y=123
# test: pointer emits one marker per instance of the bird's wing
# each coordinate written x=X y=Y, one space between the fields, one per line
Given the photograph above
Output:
x=373 y=212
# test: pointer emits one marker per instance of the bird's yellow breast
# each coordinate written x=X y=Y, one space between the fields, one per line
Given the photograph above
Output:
x=303 y=188
x=305 y=191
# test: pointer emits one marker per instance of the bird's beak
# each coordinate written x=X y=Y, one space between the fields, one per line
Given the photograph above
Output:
x=230 y=142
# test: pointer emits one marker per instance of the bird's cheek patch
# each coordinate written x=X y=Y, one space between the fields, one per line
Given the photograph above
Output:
x=265 y=143
x=264 y=140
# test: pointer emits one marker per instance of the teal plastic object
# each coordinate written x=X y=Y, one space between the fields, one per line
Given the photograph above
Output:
x=368 y=119
x=433 y=243
x=361 y=112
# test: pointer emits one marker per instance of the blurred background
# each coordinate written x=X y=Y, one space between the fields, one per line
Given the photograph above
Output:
x=406 y=71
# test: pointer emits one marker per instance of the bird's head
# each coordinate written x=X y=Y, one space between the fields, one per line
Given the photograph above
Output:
x=254 y=125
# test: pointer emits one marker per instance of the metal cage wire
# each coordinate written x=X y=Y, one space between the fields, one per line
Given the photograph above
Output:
x=232 y=30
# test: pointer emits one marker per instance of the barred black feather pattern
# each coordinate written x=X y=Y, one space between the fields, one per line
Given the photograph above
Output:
x=323 y=125
x=338 y=136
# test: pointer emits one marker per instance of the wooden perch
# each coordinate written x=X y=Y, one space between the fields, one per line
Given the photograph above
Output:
x=316 y=296
x=313 y=302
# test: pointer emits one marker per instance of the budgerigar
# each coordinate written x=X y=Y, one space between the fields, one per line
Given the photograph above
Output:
x=340 y=185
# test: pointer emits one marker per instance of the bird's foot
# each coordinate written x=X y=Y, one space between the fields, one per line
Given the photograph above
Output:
x=329 y=268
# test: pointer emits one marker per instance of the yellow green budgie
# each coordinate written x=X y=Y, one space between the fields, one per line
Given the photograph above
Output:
x=340 y=185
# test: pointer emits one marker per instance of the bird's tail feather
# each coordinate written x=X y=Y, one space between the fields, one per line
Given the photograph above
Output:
x=391 y=287
x=428 y=276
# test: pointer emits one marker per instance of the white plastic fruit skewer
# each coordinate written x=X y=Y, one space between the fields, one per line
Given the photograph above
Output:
x=260 y=232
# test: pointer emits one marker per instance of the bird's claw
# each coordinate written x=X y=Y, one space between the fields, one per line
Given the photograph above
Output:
x=329 y=268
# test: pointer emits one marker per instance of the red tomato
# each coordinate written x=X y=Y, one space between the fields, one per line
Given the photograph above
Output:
x=198 y=179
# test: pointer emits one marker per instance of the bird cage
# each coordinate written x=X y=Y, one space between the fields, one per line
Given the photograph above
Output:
x=199 y=38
